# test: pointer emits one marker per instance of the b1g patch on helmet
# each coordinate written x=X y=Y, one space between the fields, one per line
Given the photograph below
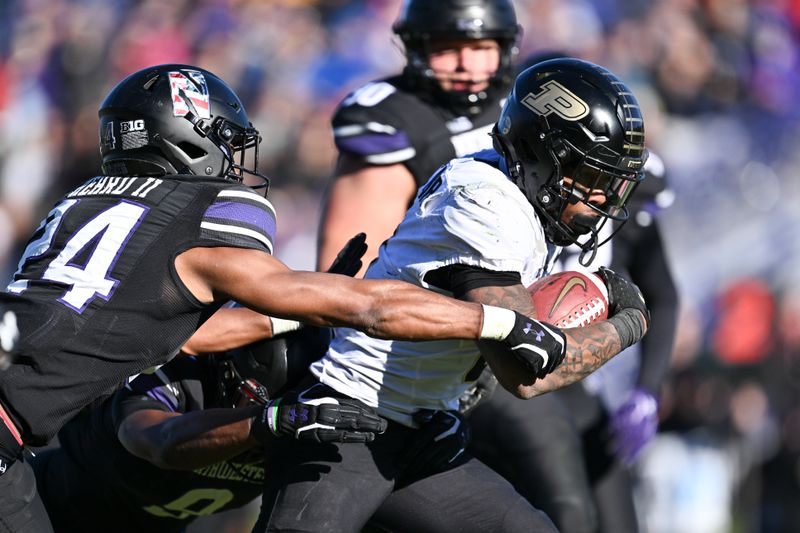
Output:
x=555 y=98
x=189 y=84
x=133 y=134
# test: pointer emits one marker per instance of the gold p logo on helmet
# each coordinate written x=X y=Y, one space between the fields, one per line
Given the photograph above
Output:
x=555 y=98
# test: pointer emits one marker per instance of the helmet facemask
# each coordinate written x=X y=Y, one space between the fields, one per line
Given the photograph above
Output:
x=463 y=102
x=237 y=390
x=577 y=177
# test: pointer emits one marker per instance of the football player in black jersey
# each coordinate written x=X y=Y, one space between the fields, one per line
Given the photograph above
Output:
x=125 y=268
x=169 y=447
x=392 y=134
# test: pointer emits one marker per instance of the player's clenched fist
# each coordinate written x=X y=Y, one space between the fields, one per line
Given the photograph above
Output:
x=540 y=347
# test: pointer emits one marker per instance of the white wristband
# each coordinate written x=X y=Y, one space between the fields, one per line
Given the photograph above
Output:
x=497 y=322
x=279 y=325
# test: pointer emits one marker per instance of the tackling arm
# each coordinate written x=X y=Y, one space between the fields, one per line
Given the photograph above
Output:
x=372 y=199
x=229 y=328
x=384 y=309
x=187 y=441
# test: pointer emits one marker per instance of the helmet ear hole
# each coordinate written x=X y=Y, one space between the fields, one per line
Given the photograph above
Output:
x=561 y=150
x=192 y=150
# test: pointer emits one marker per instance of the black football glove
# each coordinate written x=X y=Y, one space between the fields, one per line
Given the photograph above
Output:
x=622 y=294
x=541 y=347
x=318 y=413
x=348 y=260
x=8 y=337
x=480 y=390
x=442 y=437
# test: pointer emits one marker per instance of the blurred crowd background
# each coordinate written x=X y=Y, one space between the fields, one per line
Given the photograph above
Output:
x=719 y=81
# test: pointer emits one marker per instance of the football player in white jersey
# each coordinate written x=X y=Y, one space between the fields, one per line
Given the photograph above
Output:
x=603 y=422
x=569 y=151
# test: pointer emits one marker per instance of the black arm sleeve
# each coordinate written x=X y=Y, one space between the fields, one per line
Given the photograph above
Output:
x=649 y=269
x=460 y=279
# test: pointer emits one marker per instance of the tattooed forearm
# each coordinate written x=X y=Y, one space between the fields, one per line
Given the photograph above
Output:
x=514 y=297
x=587 y=350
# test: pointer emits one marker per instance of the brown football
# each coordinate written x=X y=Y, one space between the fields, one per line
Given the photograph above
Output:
x=570 y=299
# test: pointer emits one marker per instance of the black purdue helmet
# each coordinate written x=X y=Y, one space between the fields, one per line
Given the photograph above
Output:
x=422 y=22
x=571 y=118
x=176 y=119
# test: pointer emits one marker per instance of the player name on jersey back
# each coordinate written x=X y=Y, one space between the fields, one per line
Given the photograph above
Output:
x=133 y=187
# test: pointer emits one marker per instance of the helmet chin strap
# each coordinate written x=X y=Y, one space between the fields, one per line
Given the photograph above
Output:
x=589 y=246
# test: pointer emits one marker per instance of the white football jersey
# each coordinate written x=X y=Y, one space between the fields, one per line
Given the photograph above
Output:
x=469 y=213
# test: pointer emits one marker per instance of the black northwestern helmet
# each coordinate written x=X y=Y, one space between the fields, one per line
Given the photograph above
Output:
x=264 y=369
x=571 y=118
x=422 y=22
x=176 y=119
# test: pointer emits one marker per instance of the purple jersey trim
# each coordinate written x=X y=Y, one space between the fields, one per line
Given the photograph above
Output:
x=374 y=143
x=253 y=216
x=164 y=397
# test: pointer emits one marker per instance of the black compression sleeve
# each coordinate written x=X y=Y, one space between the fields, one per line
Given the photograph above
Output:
x=460 y=279
x=649 y=269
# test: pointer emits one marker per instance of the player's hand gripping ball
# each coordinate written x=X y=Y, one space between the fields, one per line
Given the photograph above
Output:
x=570 y=299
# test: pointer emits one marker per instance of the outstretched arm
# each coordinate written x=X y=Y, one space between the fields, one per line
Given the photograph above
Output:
x=231 y=328
x=227 y=329
x=381 y=308
x=384 y=309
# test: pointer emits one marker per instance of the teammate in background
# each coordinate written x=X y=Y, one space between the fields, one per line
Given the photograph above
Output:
x=392 y=134
x=127 y=266
x=569 y=151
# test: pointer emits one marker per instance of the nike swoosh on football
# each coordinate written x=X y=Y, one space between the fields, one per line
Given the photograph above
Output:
x=572 y=282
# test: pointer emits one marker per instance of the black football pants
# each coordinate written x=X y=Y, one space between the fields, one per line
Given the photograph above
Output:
x=555 y=451
x=21 y=509
x=336 y=488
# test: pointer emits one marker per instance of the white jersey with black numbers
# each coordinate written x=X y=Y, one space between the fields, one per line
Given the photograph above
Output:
x=469 y=213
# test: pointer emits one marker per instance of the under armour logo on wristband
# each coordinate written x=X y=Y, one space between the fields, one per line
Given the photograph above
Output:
x=303 y=415
x=3 y=467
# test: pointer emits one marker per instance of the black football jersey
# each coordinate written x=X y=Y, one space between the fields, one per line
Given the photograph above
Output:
x=117 y=491
x=96 y=292
x=386 y=122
